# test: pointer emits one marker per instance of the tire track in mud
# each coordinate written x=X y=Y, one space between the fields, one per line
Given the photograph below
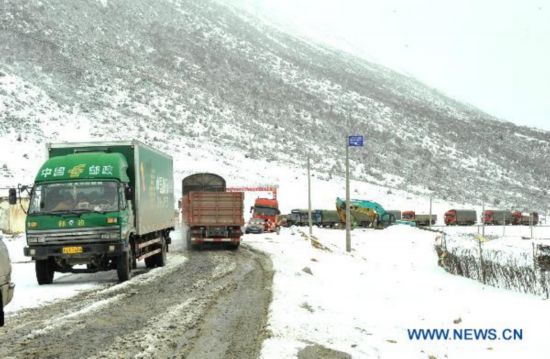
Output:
x=214 y=303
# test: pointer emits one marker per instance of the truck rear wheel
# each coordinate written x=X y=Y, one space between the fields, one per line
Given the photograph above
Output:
x=150 y=262
x=160 y=258
x=123 y=266
x=44 y=271
x=233 y=246
x=188 y=239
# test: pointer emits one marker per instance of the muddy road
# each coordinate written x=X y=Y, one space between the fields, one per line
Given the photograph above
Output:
x=205 y=304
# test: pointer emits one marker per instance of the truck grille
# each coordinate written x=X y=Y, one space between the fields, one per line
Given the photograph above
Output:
x=71 y=235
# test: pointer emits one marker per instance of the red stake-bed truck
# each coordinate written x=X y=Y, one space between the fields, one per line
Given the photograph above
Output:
x=210 y=213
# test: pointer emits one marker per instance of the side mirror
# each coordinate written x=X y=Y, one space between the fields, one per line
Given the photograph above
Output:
x=179 y=203
x=251 y=209
x=128 y=193
x=12 y=196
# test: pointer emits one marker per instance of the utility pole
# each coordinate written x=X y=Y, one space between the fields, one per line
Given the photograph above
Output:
x=309 y=198
x=531 y=223
x=348 y=212
x=430 y=217
x=483 y=219
x=503 y=223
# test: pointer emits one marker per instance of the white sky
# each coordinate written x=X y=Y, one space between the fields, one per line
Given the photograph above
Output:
x=494 y=54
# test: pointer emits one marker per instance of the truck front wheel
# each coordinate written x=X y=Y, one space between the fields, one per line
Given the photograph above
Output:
x=123 y=266
x=44 y=271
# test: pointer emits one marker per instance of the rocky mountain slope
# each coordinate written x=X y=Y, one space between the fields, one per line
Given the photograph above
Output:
x=184 y=74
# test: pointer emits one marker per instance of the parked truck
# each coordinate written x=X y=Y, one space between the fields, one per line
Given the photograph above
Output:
x=497 y=217
x=266 y=209
x=527 y=219
x=396 y=214
x=210 y=213
x=408 y=216
x=100 y=204
x=327 y=218
x=425 y=219
x=460 y=217
x=419 y=219
x=6 y=285
x=301 y=217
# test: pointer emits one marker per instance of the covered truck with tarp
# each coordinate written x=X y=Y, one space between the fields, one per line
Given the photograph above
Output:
x=497 y=217
x=460 y=217
x=327 y=218
x=104 y=205
x=210 y=213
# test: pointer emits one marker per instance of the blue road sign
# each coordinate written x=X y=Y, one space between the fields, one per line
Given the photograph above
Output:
x=355 y=141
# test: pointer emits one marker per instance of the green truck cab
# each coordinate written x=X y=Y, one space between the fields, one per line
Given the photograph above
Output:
x=100 y=206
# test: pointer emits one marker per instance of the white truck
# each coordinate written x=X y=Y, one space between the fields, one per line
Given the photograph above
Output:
x=6 y=286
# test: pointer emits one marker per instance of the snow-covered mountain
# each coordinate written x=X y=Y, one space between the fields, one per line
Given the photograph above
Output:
x=198 y=78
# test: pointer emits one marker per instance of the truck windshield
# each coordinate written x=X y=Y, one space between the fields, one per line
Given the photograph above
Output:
x=75 y=197
x=266 y=211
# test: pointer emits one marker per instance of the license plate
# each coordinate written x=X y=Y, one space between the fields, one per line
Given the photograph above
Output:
x=72 y=250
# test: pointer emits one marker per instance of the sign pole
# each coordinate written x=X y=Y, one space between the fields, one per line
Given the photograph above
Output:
x=309 y=199
x=430 y=218
x=351 y=141
x=348 y=212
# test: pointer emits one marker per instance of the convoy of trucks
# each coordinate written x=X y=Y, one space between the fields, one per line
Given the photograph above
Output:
x=102 y=204
x=107 y=205
x=210 y=213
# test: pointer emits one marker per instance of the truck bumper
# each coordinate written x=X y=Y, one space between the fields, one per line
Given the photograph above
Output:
x=109 y=249
x=7 y=292
x=215 y=240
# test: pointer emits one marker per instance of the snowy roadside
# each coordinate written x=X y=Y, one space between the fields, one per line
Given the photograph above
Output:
x=363 y=303
x=28 y=294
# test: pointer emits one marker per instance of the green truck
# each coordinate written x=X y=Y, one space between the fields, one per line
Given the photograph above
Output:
x=100 y=206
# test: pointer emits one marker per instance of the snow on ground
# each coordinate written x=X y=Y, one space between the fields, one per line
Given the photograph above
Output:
x=363 y=303
x=513 y=245
x=28 y=294
x=360 y=303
